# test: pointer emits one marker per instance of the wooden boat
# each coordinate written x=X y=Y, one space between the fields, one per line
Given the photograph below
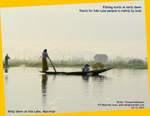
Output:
x=90 y=73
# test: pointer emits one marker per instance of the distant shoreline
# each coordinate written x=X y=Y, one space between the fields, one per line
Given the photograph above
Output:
x=72 y=67
x=132 y=64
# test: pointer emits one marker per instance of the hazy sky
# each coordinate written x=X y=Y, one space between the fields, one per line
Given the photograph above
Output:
x=66 y=32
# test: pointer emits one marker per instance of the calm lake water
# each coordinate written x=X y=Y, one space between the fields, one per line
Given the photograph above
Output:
x=28 y=91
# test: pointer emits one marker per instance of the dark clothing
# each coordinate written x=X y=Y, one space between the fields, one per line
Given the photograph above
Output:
x=6 y=60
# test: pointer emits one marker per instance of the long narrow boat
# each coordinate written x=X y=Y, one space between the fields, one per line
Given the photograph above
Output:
x=91 y=73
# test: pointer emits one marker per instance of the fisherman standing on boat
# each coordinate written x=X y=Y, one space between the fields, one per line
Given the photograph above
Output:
x=86 y=68
x=6 y=60
x=44 y=61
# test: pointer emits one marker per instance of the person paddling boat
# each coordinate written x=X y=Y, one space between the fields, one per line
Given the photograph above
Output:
x=44 y=61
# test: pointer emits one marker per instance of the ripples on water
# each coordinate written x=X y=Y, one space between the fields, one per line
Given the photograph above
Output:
x=27 y=89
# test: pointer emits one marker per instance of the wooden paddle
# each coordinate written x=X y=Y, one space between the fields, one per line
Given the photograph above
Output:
x=52 y=64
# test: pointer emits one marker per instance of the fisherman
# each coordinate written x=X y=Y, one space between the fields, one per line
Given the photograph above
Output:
x=86 y=68
x=6 y=60
x=44 y=61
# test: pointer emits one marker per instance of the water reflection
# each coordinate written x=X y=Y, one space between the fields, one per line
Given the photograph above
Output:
x=99 y=78
x=94 y=78
x=85 y=77
x=6 y=70
x=44 y=88
x=6 y=75
x=54 y=77
x=6 y=81
x=72 y=93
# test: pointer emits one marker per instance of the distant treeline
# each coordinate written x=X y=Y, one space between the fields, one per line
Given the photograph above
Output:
x=131 y=64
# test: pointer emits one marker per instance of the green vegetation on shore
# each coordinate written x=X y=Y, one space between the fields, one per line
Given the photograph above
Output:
x=131 y=64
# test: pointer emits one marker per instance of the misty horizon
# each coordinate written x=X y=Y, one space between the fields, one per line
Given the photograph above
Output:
x=67 y=33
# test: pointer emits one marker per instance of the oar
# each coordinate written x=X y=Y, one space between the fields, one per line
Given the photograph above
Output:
x=52 y=64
